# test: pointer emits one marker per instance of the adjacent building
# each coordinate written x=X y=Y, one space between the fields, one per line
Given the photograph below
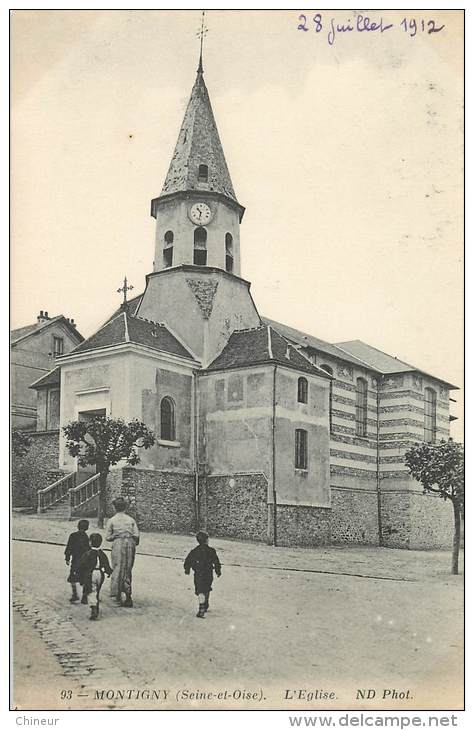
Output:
x=34 y=349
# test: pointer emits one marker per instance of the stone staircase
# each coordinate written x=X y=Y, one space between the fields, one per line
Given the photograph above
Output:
x=70 y=497
x=59 y=511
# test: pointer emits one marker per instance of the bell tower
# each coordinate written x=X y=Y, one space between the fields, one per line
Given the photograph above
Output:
x=195 y=287
x=197 y=213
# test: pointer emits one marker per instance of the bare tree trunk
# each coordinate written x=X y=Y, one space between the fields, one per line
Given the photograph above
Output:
x=102 y=498
x=456 y=539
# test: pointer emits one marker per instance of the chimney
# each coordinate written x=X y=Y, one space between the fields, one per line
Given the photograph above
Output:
x=43 y=316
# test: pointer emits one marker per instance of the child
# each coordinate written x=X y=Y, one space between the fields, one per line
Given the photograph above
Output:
x=77 y=545
x=203 y=559
x=92 y=567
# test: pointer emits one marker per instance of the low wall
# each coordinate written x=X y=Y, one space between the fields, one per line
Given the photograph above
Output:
x=354 y=518
x=159 y=500
x=303 y=526
x=234 y=506
x=416 y=521
x=36 y=469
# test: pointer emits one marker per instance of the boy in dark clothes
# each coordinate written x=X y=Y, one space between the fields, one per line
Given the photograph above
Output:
x=93 y=566
x=77 y=545
x=203 y=560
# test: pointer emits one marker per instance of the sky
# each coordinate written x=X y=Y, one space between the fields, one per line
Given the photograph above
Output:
x=347 y=157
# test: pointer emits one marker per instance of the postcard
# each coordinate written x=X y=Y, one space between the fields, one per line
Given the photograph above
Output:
x=237 y=360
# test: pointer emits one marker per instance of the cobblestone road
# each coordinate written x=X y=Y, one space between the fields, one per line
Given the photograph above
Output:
x=272 y=626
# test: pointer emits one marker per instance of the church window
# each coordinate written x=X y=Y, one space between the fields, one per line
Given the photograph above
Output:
x=361 y=407
x=200 y=242
x=327 y=369
x=58 y=346
x=167 y=417
x=301 y=449
x=302 y=390
x=229 y=253
x=168 y=249
x=430 y=416
x=203 y=173
x=168 y=257
x=235 y=389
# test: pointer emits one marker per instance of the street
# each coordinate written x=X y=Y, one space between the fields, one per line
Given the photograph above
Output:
x=277 y=631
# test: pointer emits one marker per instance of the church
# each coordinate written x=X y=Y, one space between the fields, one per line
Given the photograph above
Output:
x=263 y=432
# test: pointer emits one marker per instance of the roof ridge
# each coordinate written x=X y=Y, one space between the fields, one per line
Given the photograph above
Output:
x=269 y=342
x=147 y=319
x=382 y=352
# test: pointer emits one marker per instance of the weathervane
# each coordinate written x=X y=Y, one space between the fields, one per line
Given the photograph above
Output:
x=125 y=288
x=201 y=33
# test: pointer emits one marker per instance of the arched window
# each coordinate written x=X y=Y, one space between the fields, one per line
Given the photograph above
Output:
x=301 y=449
x=229 y=253
x=302 y=390
x=200 y=242
x=361 y=407
x=168 y=249
x=203 y=173
x=167 y=420
x=327 y=369
x=430 y=416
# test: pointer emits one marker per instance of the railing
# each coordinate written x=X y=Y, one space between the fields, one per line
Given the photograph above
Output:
x=55 y=492
x=81 y=493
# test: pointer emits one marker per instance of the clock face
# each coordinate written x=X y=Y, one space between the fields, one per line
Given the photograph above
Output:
x=200 y=214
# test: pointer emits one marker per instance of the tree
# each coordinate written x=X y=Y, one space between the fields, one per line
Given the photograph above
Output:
x=20 y=442
x=104 y=442
x=440 y=469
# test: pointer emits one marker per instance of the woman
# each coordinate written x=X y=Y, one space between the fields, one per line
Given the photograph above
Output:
x=122 y=530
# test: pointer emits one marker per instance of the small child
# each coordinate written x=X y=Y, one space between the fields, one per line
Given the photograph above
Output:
x=203 y=560
x=77 y=545
x=93 y=566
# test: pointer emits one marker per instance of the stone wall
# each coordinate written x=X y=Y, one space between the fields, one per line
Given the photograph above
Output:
x=36 y=469
x=234 y=506
x=416 y=521
x=159 y=500
x=354 y=517
x=303 y=526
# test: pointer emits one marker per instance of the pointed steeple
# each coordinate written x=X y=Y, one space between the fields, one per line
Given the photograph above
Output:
x=198 y=162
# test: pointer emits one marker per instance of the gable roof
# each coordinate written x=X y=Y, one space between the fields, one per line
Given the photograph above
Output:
x=354 y=351
x=262 y=345
x=50 y=379
x=198 y=143
x=381 y=361
x=22 y=333
x=131 y=307
x=305 y=340
x=126 y=328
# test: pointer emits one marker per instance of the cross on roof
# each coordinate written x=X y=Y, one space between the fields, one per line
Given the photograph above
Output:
x=125 y=288
x=201 y=33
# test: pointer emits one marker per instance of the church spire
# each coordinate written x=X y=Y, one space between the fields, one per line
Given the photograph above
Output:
x=198 y=161
x=201 y=32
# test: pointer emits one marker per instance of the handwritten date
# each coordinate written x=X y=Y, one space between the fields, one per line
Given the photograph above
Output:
x=364 y=24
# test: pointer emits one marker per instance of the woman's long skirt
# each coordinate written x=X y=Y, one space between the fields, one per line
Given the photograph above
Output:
x=123 y=557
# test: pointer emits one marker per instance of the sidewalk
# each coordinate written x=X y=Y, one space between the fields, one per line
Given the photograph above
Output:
x=373 y=562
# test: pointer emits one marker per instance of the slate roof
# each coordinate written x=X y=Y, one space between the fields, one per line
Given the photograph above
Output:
x=262 y=345
x=131 y=306
x=22 y=332
x=354 y=351
x=381 y=361
x=198 y=143
x=305 y=340
x=126 y=328
x=48 y=380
